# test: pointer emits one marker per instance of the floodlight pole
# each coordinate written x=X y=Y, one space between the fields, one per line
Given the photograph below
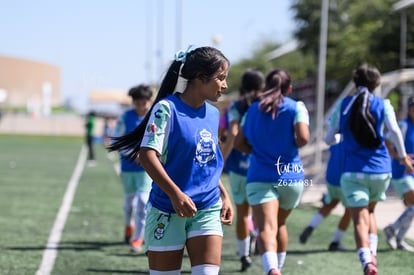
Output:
x=321 y=83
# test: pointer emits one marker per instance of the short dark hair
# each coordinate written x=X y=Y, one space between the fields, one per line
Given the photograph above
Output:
x=368 y=76
x=140 y=92
x=252 y=80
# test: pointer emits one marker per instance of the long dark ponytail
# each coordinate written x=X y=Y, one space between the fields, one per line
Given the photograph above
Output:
x=131 y=142
x=277 y=85
x=361 y=122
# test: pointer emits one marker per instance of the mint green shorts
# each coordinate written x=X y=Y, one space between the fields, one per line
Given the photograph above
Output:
x=169 y=232
x=238 y=187
x=134 y=182
x=334 y=192
x=288 y=195
x=403 y=185
x=360 y=189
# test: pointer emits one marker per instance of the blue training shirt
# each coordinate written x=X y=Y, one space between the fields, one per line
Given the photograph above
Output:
x=187 y=141
x=335 y=165
x=407 y=129
x=126 y=123
x=359 y=158
x=274 y=154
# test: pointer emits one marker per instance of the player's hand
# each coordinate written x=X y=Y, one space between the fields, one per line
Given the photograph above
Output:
x=226 y=212
x=183 y=205
x=408 y=162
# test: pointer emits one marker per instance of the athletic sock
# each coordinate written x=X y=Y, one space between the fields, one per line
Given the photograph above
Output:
x=316 y=220
x=170 y=272
x=243 y=247
x=364 y=254
x=140 y=214
x=205 y=269
x=404 y=221
x=269 y=260
x=337 y=237
x=128 y=208
x=373 y=243
x=281 y=257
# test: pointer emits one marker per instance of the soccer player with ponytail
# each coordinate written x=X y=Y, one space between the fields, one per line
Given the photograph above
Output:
x=361 y=119
x=177 y=144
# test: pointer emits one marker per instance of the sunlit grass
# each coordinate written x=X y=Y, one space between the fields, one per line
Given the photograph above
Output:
x=34 y=173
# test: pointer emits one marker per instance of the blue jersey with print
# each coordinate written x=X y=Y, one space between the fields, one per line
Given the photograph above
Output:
x=274 y=151
x=129 y=120
x=335 y=164
x=189 y=151
x=398 y=170
x=359 y=158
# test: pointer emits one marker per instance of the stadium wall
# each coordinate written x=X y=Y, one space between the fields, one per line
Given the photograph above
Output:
x=29 y=82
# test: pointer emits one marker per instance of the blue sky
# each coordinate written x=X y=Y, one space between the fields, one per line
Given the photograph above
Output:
x=108 y=44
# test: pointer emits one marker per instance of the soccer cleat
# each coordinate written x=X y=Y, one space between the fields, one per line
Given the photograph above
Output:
x=137 y=246
x=246 y=262
x=370 y=269
x=305 y=234
x=274 y=272
x=390 y=236
x=128 y=233
x=402 y=245
x=336 y=246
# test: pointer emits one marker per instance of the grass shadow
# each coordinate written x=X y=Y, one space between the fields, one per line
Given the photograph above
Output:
x=317 y=251
x=76 y=246
x=116 y=271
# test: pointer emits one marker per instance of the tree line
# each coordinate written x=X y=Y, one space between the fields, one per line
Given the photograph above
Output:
x=358 y=31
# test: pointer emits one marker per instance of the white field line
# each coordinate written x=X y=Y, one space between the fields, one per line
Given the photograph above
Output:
x=50 y=252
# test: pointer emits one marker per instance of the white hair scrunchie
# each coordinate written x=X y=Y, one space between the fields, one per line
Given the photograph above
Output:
x=367 y=96
x=181 y=81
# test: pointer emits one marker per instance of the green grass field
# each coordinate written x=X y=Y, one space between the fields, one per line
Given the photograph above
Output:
x=34 y=174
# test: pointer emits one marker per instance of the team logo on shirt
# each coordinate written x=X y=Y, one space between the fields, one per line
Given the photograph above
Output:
x=155 y=124
x=159 y=231
x=206 y=147
x=152 y=128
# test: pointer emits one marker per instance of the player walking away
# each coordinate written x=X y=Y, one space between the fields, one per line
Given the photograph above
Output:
x=237 y=163
x=361 y=118
x=135 y=181
x=272 y=131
